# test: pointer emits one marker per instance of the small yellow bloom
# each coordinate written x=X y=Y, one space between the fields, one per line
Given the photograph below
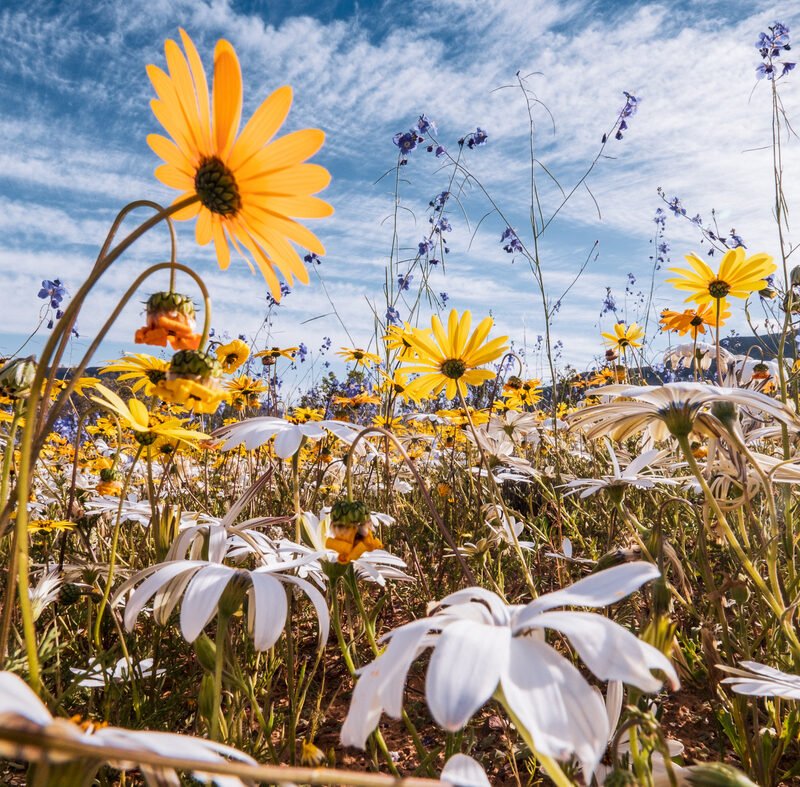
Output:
x=311 y=755
x=624 y=336
x=358 y=355
x=232 y=355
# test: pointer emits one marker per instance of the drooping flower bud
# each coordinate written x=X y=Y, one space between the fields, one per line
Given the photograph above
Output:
x=16 y=377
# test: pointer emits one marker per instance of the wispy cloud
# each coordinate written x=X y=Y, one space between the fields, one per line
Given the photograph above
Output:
x=77 y=116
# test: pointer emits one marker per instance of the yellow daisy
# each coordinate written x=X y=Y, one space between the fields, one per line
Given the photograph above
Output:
x=146 y=426
x=146 y=370
x=737 y=276
x=245 y=190
x=625 y=336
x=358 y=355
x=451 y=360
x=232 y=355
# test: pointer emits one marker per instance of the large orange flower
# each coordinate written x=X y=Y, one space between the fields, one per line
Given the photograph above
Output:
x=248 y=188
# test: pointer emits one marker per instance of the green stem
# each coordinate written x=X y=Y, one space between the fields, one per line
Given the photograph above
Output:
x=219 y=661
x=112 y=558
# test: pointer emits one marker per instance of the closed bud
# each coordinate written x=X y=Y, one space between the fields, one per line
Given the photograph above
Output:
x=205 y=702
x=164 y=526
x=16 y=377
x=716 y=774
x=206 y=652
x=233 y=596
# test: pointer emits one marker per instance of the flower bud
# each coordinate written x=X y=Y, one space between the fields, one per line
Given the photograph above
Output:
x=716 y=774
x=205 y=701
x=16 y=377
x=206 y=652
x=233 y=596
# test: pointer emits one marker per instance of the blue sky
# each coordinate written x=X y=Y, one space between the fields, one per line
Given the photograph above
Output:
x=75 y=116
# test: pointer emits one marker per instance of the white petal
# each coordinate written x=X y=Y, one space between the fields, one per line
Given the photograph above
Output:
x=463 y=771
x=287 y=443
x=464 y=671
x=157 y=579
x=320 y=605
x=380 y=684
x=550 y=699
x=17 y=698
x=496 y=605
x=610 y=651
x=266 y=610
x=597 y=590
x=201 y=599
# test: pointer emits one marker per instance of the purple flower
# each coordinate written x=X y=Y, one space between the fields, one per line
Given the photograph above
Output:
x=406 y=142
x=441 y=225
x=302 y=352
x=312 y=258
x=425 y=247
x=439 y=201
x=609 y=304
x=424 y=125
x=628 y=111
x=404 y=281
x=444 y=298
x=735 y=241
x=510 y=241
x=54 y=290
x=474 y=138
x=771 y=46
x=285 y=290
x=660 y=218
x=675 y=206
x=393 y=316
x=433 y=261
x=765 y=70
x=440 y=151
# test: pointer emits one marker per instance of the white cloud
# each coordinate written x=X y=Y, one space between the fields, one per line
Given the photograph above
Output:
x=74 y=145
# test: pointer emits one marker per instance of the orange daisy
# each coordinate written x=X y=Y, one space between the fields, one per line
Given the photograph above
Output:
x=246 y=188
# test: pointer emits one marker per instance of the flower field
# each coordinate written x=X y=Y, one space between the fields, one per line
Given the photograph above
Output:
x=441 y=566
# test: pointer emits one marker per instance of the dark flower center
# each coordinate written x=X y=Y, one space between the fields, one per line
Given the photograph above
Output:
x=216 y=187
x=718 y=289
x=454 y=368
x=696 y=321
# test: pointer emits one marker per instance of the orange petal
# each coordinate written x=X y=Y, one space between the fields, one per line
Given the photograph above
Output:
x=262 y=127
x=200 y=87
x=226 y=97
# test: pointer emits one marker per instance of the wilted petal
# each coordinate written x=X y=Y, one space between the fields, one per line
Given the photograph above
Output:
x=464 y=671
x=610 y=651
x=552 y=701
